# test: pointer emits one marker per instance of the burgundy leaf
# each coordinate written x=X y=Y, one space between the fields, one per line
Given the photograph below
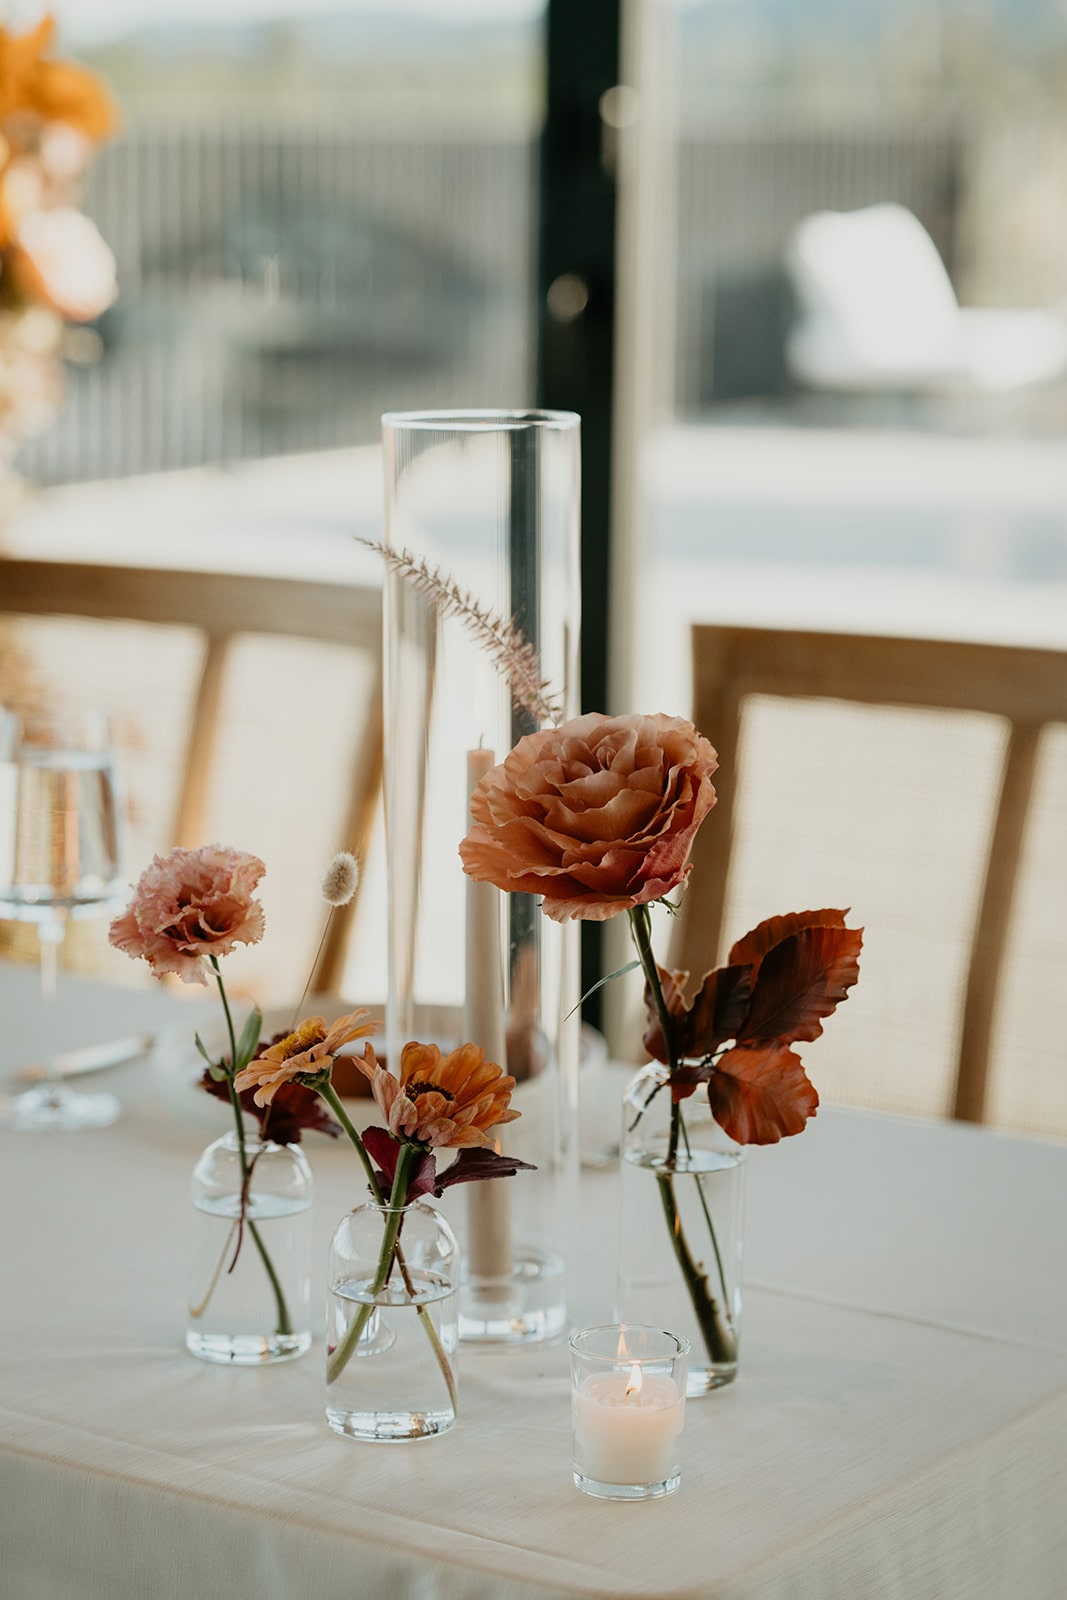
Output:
x=799 y=982
x=475 y=1163
x=760 y=1094
x=293 y=1109
x=755 y=945
x=686 y=1079
x=385 y=1150
x=423 y=1179
x=220 y=1089
x=716 y=1013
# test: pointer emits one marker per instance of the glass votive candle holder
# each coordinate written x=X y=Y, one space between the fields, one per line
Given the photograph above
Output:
x=628 y=1409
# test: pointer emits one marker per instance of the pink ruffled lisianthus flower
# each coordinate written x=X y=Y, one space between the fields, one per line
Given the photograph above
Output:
x=307 y=1052
x=191 y=905
x=443 y=1101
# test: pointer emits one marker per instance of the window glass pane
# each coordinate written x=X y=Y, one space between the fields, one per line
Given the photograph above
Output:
x=862 y=294
x=868 y=280
x=318 y=215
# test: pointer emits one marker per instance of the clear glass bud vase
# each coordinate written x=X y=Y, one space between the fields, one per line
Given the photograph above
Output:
x=391 y=1324
x=681 y=1225
x=249 y=1276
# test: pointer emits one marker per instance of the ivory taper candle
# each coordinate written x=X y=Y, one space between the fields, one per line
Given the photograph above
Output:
x=488 y=1218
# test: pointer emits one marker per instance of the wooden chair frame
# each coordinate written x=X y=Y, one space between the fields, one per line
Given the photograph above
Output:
x=222 y=606
x=1027 y=687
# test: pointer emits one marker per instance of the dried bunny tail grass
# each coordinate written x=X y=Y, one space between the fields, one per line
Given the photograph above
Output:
x=337 y=886
x=513 y=654
x=340 y=879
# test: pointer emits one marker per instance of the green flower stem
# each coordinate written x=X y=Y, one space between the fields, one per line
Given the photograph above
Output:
x=718 y=1340
x=339 y=1357
x=284 y=1326
x=431 y=1332
x=718 y=1337
x=202 y=1305
x=714 y=1241
x=641 y=927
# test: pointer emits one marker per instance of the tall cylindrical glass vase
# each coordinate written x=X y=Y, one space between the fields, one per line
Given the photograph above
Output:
x=482 y=530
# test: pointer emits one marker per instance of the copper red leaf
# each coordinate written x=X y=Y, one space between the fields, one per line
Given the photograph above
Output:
x=686 y=1079
x=760 y=1094
x=673 y=985
x=799 y=982
x=755 y=945
x=717 y=1011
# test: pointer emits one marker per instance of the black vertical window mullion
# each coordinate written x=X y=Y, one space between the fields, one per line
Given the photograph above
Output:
x=576 y=341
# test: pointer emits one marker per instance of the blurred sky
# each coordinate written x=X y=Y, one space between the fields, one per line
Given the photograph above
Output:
x=97 y=20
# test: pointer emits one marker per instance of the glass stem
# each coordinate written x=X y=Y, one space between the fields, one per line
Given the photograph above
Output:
x=50 y=936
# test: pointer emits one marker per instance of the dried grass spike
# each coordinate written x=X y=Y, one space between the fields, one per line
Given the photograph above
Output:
x=502 y=640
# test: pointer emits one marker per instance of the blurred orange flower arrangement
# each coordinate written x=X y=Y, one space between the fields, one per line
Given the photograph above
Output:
x=54 y=266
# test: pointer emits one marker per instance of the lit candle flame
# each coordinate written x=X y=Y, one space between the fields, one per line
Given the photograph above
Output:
x=634 y=1384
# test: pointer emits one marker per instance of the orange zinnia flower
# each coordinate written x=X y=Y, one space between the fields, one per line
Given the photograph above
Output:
x=446 y=1101
x=306 y=1052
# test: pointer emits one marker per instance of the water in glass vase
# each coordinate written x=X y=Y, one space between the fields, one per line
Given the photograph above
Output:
x=704 y=1190
x=393 y=1386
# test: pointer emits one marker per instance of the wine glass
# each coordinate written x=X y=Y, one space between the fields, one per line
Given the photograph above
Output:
x=59 y=859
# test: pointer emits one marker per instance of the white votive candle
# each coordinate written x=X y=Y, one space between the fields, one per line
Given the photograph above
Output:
x=628 y=1404
x=623 y=1436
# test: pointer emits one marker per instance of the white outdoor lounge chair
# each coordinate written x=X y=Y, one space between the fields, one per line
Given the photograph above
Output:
x=877 y=311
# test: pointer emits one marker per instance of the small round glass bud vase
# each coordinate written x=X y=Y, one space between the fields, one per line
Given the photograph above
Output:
x=392 y=1326
x=681 y=1227
x=249 y=1277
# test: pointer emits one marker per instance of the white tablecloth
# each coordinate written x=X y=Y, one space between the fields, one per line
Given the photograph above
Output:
x=899 y=1427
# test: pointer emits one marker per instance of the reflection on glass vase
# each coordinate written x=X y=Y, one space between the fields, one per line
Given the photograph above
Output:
x=391 y=1324
x=249 y=1278
x=681 y=1225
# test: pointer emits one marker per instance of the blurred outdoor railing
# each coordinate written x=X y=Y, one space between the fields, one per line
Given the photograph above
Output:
x=285 y=280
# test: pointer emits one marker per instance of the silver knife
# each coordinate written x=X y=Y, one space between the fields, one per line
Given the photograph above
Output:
x=89 y=1058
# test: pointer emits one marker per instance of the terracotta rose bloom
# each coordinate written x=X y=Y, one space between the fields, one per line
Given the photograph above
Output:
x=189 y=905
x=595 y=817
